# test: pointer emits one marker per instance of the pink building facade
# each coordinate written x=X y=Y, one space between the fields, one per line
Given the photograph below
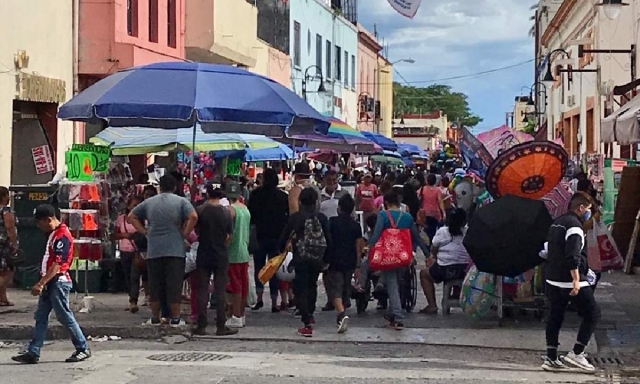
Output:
x=119 y=34
x=367 y=86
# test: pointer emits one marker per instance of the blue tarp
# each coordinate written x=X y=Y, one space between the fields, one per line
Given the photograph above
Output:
x=386 y=143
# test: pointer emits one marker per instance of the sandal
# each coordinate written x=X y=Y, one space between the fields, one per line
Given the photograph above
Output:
x=429 y=311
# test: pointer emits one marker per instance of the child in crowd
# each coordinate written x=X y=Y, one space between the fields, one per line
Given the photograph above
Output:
x=343 y=257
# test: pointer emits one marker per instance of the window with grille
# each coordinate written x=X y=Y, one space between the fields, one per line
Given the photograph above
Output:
x=328 y=62
x=338 y=63
x=153 y=21
x=319 y=51
x=172 y=38
x=132 y=17
x=296 y=44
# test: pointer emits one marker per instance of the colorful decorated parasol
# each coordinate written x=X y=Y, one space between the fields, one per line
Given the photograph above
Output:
x=528 y=170
x=502 y=138
x=557 y=201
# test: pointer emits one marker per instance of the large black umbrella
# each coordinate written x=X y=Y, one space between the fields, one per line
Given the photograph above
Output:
x=505 y=237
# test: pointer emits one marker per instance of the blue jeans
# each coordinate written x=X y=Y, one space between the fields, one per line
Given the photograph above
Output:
x=267 y=249
x=55 y=297
x=392 y=280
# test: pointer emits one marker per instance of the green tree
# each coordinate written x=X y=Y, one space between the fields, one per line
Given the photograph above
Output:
x=409 y=99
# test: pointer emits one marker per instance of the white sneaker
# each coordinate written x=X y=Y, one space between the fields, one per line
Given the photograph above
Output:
x=235 y=322
x=579 y=361
x=343 y=324
x=244 y=321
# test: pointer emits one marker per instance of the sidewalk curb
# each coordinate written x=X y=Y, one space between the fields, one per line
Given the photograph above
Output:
x=302 y=340
x=57 y=332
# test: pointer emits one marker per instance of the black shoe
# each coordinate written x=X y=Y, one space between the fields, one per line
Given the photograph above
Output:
x=258 y=306
x=199 y=331
x=297 y=314
x=79 y=356
x=328 y=308
x=275 y=310
x=382 y=304
x=26 y=358
x=226 y=331
x=347 y=304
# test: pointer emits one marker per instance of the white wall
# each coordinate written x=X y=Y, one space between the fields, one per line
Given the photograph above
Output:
x=584 y=85
x=44 y=29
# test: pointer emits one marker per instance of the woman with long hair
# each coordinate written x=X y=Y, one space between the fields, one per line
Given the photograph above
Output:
x=449 y=258
x=432 y=204
x=401 y=220
x=124 y=232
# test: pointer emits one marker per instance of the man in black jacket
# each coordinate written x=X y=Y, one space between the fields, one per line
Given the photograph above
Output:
x=269 y=208
x=566 y=275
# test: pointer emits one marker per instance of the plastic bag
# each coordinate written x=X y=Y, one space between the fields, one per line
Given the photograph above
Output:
x=190 y=262
x=252 y=298
x=602 y=252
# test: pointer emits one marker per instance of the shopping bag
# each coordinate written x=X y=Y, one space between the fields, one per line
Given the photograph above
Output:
x=593 y=251
x=478 y=293
x=392 y=250
x=270 y=269
x=610 y=256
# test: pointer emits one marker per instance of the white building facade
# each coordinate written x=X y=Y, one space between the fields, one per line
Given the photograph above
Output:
x=36 y=76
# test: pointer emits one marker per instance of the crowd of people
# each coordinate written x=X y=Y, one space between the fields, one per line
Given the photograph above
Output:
x=315 y=219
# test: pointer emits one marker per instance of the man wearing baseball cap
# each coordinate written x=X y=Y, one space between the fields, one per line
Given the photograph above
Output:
x=53 y=289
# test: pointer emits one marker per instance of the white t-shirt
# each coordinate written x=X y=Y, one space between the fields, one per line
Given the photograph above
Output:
x=450 y=249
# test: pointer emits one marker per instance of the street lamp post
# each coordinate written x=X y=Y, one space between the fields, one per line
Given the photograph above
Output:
x=307 y=77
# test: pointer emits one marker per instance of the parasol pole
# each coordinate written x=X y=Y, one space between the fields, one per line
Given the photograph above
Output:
x=193 y=157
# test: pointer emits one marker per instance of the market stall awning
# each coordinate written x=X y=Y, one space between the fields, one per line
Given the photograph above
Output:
x=622 y=125
x=392 y=160
x=412 y=151
x=138 y=140
x=282 y=152
x=386 y=143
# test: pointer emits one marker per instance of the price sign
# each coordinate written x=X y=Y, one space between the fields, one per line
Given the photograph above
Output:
x=100 y=158
x=234 y=167
x=78 y=166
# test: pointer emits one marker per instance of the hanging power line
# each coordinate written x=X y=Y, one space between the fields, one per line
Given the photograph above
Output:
x=458 y=77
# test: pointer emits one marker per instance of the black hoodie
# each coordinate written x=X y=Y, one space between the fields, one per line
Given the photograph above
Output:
x=567 y=249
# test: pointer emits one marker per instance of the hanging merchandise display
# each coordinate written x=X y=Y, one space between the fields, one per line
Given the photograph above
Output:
x=529 y=170
x=85 y=210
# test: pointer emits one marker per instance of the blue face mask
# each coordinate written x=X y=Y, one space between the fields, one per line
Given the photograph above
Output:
x=586 y=215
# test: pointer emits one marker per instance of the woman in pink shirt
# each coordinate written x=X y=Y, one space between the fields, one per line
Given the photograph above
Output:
x=432 y=204
x=132 y=275
x=385 y=188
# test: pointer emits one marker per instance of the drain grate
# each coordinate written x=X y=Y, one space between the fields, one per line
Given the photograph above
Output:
x=190 y=357
x=606 y=362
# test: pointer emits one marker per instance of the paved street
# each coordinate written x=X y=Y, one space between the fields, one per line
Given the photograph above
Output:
x=437 y=349
x=257 y=363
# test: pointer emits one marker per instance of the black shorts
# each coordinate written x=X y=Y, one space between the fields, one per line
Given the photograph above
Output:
x=165 y=279
x=441 y=273
x=338 y=284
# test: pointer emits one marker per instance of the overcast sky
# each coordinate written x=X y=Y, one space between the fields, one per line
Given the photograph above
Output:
x=449 y=38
